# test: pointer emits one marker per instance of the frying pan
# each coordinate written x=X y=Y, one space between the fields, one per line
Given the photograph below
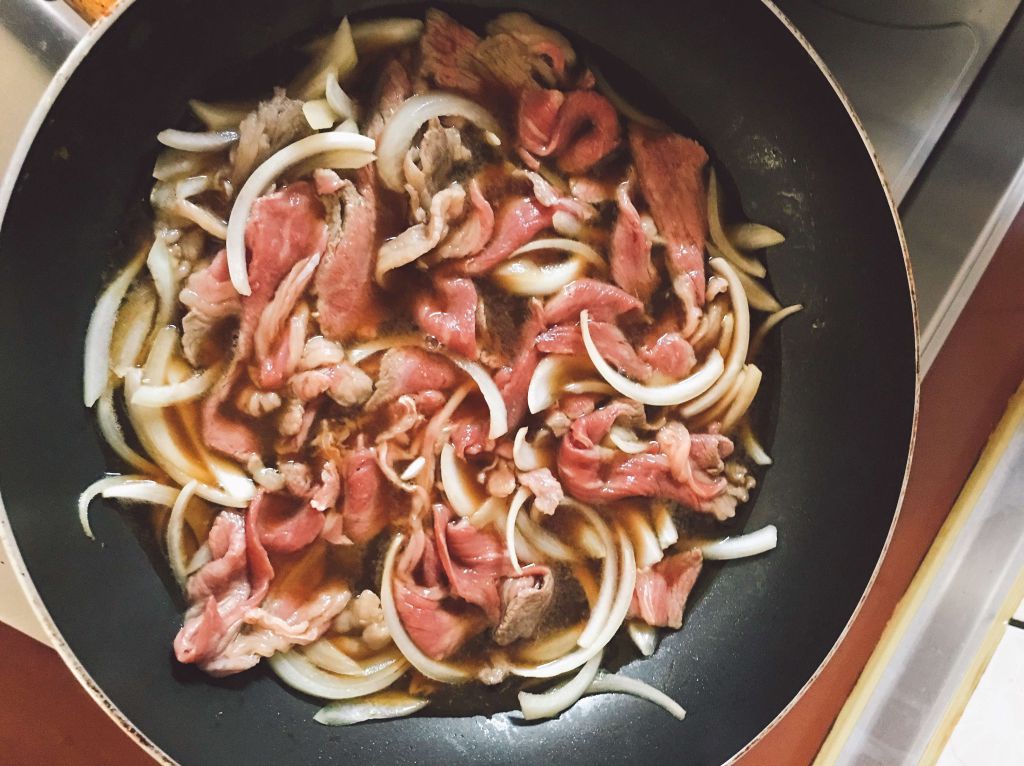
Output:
x=838 y=416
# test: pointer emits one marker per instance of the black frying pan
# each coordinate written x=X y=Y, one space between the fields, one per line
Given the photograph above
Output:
x=839 y=410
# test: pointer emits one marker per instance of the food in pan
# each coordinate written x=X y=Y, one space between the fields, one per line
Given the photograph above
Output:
x=436 y=367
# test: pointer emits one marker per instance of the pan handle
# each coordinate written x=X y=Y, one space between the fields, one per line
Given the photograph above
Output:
x=48 y=29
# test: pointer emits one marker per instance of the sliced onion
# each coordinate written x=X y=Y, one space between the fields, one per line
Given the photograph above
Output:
x=518 y=501
x=601 y=608
x=211 y=141
x=202 y=218
x=319 y=114
x=376 y=707
x=489 y=512
x=521 y=276
x=492 y=395
x=338 y=100
x=113 y=435
x=674 y=393
x=413 y=469
x=643 y=636
x=753 y=236
x=143 y=491
x=338 y=57
x=626 y=440
x=101 y=329
x=753 y=447
x=613 y=683
x=552 y=646
x=464 y=494
x=358 y=151
x=221 y=116
x=133 y=326
x=529 y=456
x=585 y=251
x=165 y=280
x=550 y=377
x=439 y=671
x=348 y=126
x=96 y=489
x=376 y=35
x=542 y=541
x=364 y=351
x=739 y=345
x=177 y=393
x=664 y=524
x=174 y=538
x=302 y=675
x=562 y=697
x=744 y=397
x=402 y=127
x=768 y=325
x=637 y=525
x=625 y=108
x=742 y=546
x=324 y=654
x=742 y=262
x=758 y=296
x=588 y=387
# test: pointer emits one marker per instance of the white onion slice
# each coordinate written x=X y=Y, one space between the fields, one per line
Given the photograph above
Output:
x=542 y=541
x=364 y=351
x=413 y=469
x=753 y=447
x=550 y=377
x=518 y=501
x=620 y=607
x=738 y=347
x=490 y=512
x=376 y=707
x=338 y=99
x=602 y=605
x=562 y=697
x=626 y=440
x=744 y=263
x=202 y=218
x=529 y=456
x=751 y=378
x=758 y=296
x=664 y=524
x=338 y=56
x=613 y=683
x=768 y=325
x=439 y=671
x=491 y=393
x=742 y=546
x=302 y=675
x=588 y=387
x=347 y=126
x=96 y=489
x=358 y=148
x=376 y=35
x=521 y=276
x=170 y=394
x=464 y=494
x=327 y=656
x=753 y=236
x=221 y=115
x=643 y=636
x=174 y=538
x=582 y=249
x=402 y=127
x=113 y=435
x=96 y=365
x=186 y=141
x=319 y=114
x=144 y=491
x=132 y=329
x=636 y=524
x=674 y=393
x=165 y=280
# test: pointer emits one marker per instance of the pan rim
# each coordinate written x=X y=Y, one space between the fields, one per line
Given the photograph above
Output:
x=9 y=545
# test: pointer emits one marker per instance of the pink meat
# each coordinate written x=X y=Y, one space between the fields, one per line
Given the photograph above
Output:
x=448 y=313
x=525 y=600
x=421 y=601
x=285 y=524
x=584 y=130
x=518 y=221
x=347 y=384
x=514 y=381
x=470 y=236
x=348 y=301
x=605 y=302
x=670 y=354
x=446 y=52
x=210 y=298
x=469 y=437
x=409 y=370
x=632 y=267
x=364 y=512
x=274 y=362
x=228 y=431
x=289 y=445
x=223 y=590
x=567 y=338
x=546 y=489
x=474 y=561
x=671 y=173
x=660 y=594
x=590 y=475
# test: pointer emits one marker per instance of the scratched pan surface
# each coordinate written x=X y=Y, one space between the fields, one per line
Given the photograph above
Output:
x=838 y=410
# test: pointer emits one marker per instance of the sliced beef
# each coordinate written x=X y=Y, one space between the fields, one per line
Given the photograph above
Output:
x=211 y=299
x=605 y=302
x=541 y=41
x=474 y=561
x=518 y=221
x=285 y=524
x=514 y=381
x=476 y=228
x=669 y=353
x=271 y=126
x=660 y=594
x=567 y=338
x=419 y=239
x=671 y=173
x=525 y=600
x=448 y=312
x=409 y=370
x=345 y=383
x=584 y=130
x=275 y=357
x=631 y=264
x=364 y=513
x=447 y=55
x=546 y=489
